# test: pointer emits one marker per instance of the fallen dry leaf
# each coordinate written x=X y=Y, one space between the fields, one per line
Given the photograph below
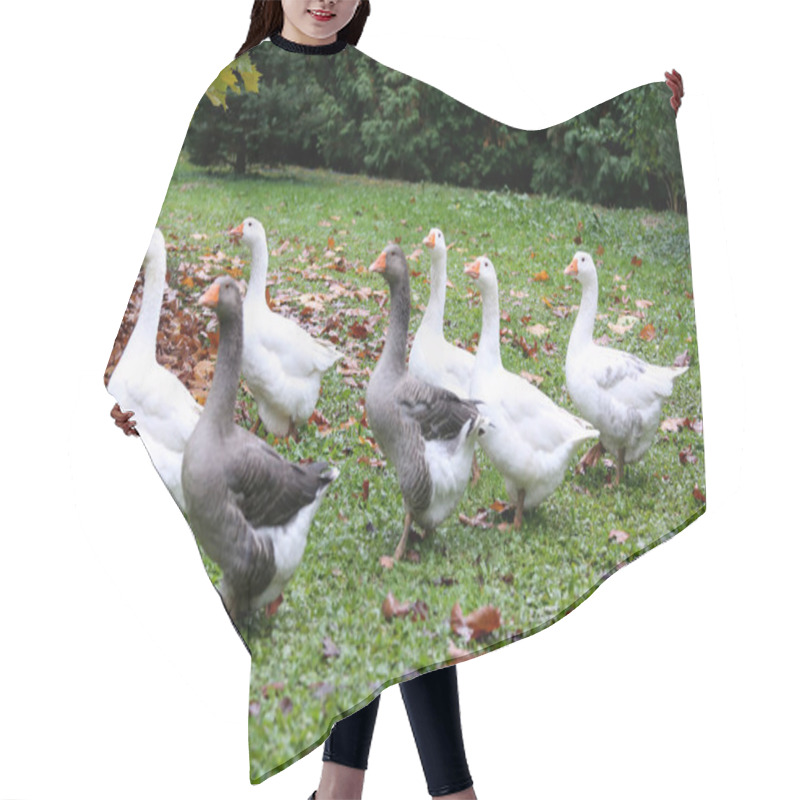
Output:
x=285 y=705
x=329 y=649
x=648 y=333
x=476 y=625
x=455 y=652
x=698 y=494
x=387 y=562
x=538 y=330
x=391 y=608
x=686 y=456
x=682 y=360
x=617 y=536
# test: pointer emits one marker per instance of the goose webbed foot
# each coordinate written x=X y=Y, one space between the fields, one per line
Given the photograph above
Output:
x=590 y=458
x=272 y=608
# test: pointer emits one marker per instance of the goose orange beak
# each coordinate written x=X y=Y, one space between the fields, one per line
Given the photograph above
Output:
x=473 y=269
x=429 y=240
x=572 y=269
x=237 y=233
x=379 y=264
x=210 y=296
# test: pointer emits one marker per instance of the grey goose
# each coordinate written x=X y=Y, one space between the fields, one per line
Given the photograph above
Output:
x=427 y=433
x=248 y=507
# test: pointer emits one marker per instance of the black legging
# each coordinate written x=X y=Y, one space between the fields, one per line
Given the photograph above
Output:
x=432 y=706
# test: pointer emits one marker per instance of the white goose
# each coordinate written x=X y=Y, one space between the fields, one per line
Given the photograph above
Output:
x=531 y=439
x=433 y=359
x=164 y=411
x=617 y=392
x=282 y=363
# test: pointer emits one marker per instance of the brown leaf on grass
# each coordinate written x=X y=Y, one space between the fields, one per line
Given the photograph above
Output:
x=698 y=494
x=318 y=419
x=682 y=360
x=329 y=649
x=476 y=625
x=541 y=276
x=375 y=463
x=686 y=456
x=286 y=706
x=674 y=424
x=273 y=688
x=636 y=261
x=391 y=608
x=530 y=351
x=321 y=689
x=578 y=240
x=413 y=556
x=282 y=248
x=387 y=562
x=618 y=536
x=695 y=425
x=483 y=621
x=457 y=654
x=648 y=333
x=365 y=490
x=499 y=506
x=538 y=330
x=358 y=331
x=644 y=304
x=600 y=250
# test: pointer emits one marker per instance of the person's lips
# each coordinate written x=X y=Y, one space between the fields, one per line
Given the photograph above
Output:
x=321 y=16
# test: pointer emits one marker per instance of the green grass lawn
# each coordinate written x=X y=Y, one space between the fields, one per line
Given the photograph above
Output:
x=324 y=230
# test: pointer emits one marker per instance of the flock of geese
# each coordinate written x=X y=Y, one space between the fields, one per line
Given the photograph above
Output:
x=251 y=509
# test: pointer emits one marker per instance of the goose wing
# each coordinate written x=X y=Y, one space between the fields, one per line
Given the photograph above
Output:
x=268 y=489
x=440 y=414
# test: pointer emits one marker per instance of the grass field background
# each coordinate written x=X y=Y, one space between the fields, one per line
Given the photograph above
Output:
x=329 y=648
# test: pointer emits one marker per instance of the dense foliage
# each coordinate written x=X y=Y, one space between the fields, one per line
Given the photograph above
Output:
x=354 y=115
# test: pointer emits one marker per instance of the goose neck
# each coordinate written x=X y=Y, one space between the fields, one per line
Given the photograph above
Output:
x=145 y=331
x=584 y=323
x=257 y=285
x=433 y=318
x=488 y=355
x=222 y=395
x=394 y=348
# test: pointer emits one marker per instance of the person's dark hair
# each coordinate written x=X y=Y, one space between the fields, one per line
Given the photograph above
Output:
x=266 y=19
